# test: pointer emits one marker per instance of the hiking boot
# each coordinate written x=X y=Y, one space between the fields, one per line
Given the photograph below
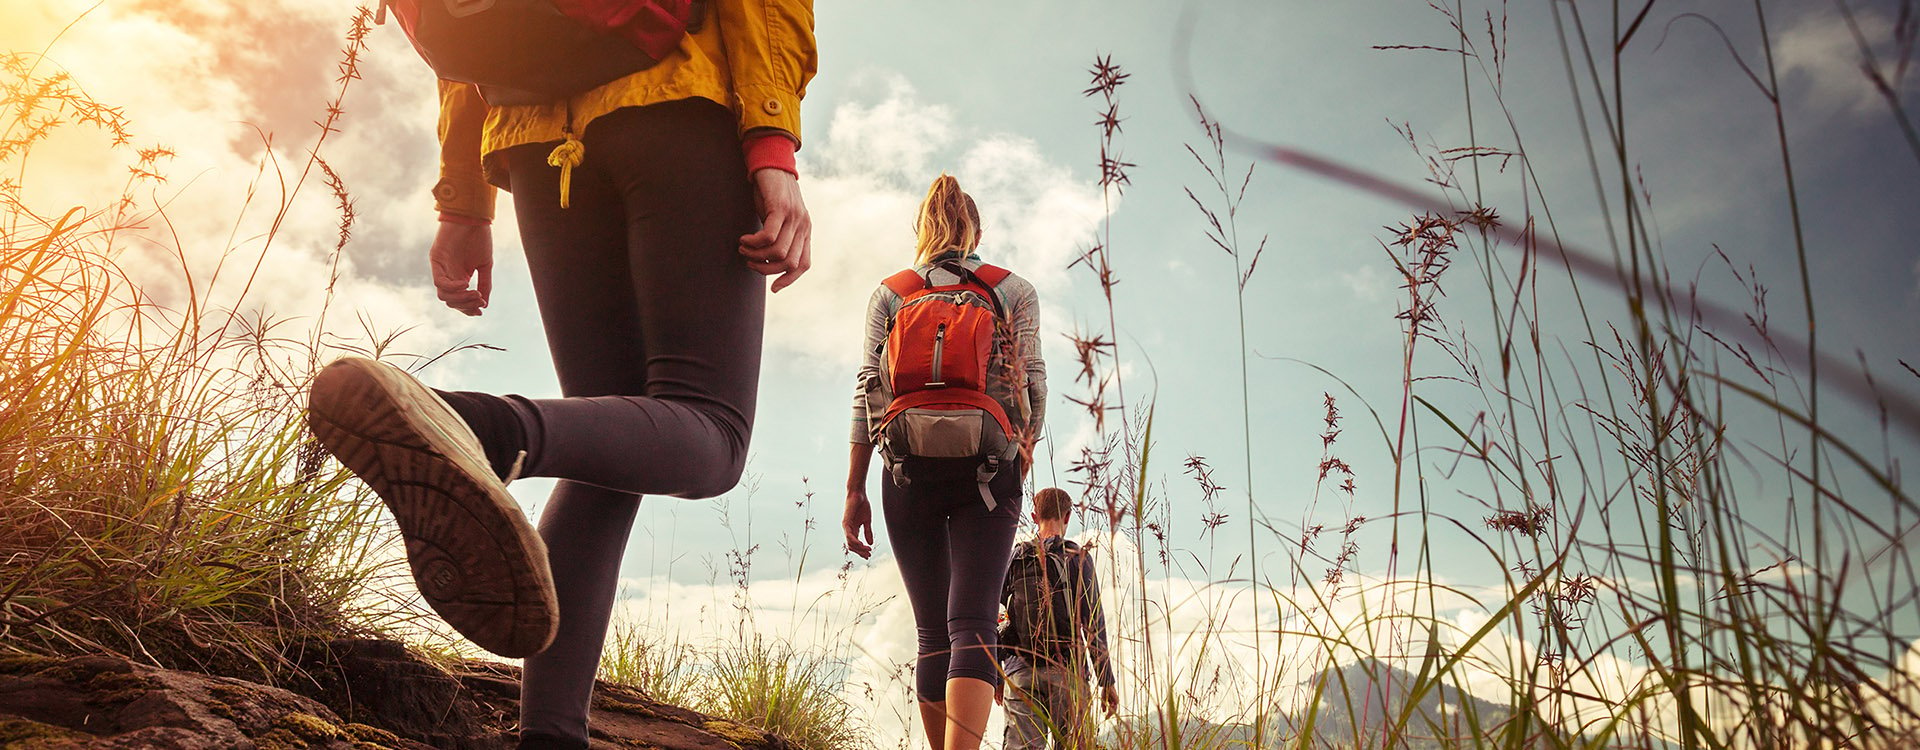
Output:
x=475 y=558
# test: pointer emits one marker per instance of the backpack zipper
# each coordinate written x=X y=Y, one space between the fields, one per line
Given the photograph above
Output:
x=939 y=345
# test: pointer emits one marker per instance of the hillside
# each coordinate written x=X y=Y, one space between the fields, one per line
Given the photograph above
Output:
x=361 y=695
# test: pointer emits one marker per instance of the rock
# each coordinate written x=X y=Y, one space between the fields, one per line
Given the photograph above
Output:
x=474 y=705
x=359 y=694
x=108 y=702
x=380 y=683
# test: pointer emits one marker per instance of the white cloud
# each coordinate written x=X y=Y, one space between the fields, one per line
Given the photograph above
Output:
x=209 y=89
x=864 y=181
x=1902 y=691
x=888 y=133
x=1366 y=283
x=210 y=86
x=1036 y=214
x=864 y=618
x=1820 y=59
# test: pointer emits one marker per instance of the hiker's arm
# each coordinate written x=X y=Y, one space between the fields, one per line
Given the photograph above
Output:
x=1026 y=331
x=857 y=520
x=462 y=192
x=879 y=310
x=461 y=257
x=771 y=57
x=1095 y=620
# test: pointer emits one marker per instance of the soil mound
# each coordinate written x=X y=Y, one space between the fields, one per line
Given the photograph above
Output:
x=358 y=695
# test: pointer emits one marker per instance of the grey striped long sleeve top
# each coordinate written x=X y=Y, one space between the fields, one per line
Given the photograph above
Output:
x=1016 y=345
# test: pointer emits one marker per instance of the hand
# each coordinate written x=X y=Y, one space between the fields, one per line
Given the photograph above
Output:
x=858 y=522
x=784 y=244
x=461 y=252
x=1109 y=699
x=1000 y=693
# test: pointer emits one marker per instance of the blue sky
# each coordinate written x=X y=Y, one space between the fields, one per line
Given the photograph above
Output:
x=991 y=92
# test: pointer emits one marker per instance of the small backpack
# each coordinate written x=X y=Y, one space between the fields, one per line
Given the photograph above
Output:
x=1040 y=596
x=941 y=424
x=539 y=51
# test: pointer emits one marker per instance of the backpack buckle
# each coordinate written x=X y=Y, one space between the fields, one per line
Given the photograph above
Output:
x=898 y=469
x=989 y=468
x=984 y=476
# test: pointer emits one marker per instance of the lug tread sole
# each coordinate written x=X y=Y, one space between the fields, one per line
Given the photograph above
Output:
x=476 y=560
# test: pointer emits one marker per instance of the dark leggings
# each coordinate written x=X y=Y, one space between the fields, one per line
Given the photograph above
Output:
x=654 y=323
x=953 y=556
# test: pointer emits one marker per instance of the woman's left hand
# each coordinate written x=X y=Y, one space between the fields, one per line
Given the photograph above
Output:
x=784 y=244
x=857 y=523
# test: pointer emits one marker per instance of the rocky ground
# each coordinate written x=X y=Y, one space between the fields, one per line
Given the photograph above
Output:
x=361 y=695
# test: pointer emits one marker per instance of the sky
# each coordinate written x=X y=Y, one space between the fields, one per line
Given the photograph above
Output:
x=991 y=92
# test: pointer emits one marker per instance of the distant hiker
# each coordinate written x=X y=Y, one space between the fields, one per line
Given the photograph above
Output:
x=649 y=148
x=951 y=391
x=1054 y=626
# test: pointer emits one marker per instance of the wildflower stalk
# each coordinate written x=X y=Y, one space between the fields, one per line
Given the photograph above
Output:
x=1223 y=230
x=1106 y=78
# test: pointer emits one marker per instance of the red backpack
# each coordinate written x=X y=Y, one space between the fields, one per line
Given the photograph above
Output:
x=941 y=424
x=539 y=51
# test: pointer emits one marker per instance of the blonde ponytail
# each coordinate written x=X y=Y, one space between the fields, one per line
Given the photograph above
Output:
x=948 y=221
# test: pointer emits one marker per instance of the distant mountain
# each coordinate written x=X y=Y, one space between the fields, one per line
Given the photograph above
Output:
x=1370 y=695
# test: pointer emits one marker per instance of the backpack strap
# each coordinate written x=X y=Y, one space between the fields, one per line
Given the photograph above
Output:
x=905 y=282
x=986 y=278
x=991 y=275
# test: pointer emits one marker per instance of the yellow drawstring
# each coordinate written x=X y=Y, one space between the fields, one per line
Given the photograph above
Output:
x=566 y=156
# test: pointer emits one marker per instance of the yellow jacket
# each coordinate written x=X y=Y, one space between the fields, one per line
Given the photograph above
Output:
x=754 y=56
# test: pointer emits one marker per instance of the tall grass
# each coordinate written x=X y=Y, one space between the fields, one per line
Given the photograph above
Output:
x=738 y=658
x=160 y=498
x=792 y=692
x=1611 y=424
x=660 y=665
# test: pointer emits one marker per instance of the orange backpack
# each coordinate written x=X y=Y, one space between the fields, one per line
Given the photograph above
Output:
x=941 y=424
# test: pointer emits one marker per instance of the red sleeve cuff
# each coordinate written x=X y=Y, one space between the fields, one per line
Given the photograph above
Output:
x=770 y=151
x=471 y=221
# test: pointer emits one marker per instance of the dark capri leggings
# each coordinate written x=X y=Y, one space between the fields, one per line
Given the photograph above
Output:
x=953 y=554
x=654 y=322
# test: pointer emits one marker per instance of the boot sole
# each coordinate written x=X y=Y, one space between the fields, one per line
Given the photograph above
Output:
x=476 y=560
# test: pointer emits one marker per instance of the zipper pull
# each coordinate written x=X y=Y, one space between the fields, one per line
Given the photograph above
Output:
x=939 y=344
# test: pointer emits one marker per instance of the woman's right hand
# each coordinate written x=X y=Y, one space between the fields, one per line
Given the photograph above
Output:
x=857 y=523
x=461 y=252
x=784 y=244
